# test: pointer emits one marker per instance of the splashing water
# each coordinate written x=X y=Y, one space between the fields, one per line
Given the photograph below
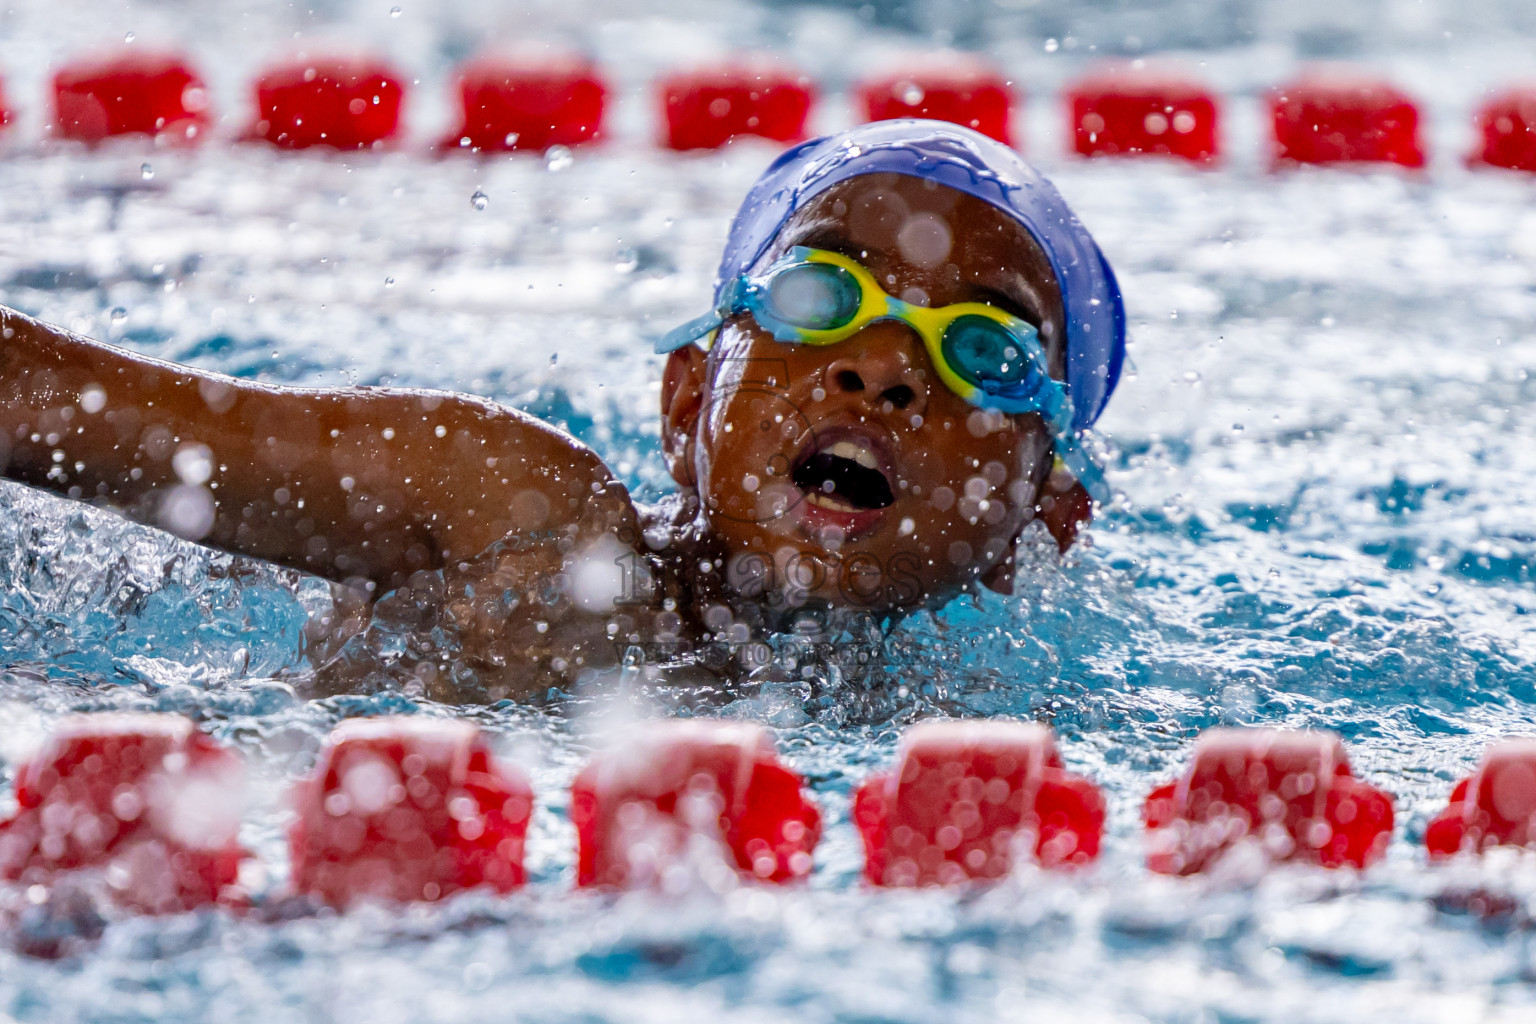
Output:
x=1321 y=450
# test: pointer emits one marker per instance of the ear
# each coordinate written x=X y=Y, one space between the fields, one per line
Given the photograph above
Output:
x=682 y=400
x=1065 y=507
x=999 y=578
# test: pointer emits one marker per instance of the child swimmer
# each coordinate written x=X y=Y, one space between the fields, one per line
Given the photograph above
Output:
x=911 y=330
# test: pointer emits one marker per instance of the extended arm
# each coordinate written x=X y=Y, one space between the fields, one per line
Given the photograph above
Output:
x=370 y=483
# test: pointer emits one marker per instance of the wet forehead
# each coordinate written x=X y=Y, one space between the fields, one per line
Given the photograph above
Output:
x=927 y=242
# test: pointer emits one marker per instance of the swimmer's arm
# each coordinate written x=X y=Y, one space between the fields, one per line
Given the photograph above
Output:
x=356 y=484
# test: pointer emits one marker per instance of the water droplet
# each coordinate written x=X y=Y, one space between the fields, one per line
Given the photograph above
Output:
x=477 y=975
x=389 y=282
x=554 y=358
x=1051 y=46
x=147 y=172
x=394 y=12
x=479 y=199
x=910 y=93
x=193 y=464
x=118 y=314
x=128 y=38
x=93 y=399
x=558 y=158
x=187 y=511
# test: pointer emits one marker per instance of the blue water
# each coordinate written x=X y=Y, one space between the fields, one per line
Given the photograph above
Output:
x=1325 y=474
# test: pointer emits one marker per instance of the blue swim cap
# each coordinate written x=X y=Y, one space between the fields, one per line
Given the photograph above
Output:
x=972 y=163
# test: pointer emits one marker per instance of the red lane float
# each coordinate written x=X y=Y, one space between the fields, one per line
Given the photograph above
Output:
x=967 y=800
x=146 y=800
x=1495 y=806
x=1143 y=114
x=654 y=802
x=336 y=102
x=961 y=92
x=131 y=93
x=408 y=809
x=527 y=103
x=1506 y=125
x=1325 y=119
x=707 y=107
x=5 y=109
x=1290 y=792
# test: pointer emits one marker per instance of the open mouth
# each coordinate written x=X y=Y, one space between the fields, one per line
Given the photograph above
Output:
x=844 y=476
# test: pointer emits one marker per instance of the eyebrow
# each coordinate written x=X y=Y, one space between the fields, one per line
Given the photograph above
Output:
x=1007 y=303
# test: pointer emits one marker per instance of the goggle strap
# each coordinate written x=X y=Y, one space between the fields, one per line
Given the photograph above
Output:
x=1083 y=467
x=701 y=327
x=688 y=333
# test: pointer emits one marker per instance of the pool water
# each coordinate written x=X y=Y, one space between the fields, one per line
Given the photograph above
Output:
x=1322 y=453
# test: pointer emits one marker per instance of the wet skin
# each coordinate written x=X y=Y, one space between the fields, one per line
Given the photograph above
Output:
x=454 y=528
x=457 y=509
x=743 y=424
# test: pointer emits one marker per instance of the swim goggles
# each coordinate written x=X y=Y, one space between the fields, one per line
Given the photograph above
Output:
x=988 y=357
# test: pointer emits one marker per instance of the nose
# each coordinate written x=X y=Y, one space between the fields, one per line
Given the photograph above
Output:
x=881 y=365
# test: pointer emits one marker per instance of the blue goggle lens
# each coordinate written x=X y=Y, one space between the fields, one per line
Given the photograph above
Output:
x=985 y=353
x=813 y=297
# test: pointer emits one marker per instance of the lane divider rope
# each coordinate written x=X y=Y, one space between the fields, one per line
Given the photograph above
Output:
x=1324 y=116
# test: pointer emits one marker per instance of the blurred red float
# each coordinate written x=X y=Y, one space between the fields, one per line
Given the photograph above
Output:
x=1506 y=127
x=687 y=789
x=1291 y=793
x=1324 y=119
x=707 y=107
x=1143 y=113
x=961 y=92
x=128 y=93
x=968 y=800
x=408 y=809
x=5 y=108
x=527 y=103
x=147 y=800
x=1495 y=806
x=342 y=103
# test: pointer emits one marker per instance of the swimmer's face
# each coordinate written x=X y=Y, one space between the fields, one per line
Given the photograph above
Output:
x=850 y=474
